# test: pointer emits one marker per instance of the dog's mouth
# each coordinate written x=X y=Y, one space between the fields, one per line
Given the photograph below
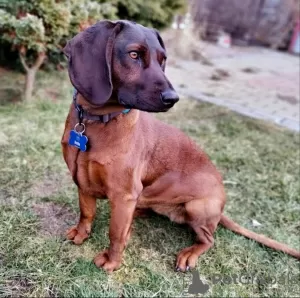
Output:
x=155 y=111
x=146 y=107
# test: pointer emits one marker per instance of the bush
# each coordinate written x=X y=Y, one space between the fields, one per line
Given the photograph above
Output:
x=154 y=13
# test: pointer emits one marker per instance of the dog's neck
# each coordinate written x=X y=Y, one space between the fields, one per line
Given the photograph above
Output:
x=111 y=107
x=88 y=111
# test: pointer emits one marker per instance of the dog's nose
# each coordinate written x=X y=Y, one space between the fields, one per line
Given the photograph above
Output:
x=169 y=97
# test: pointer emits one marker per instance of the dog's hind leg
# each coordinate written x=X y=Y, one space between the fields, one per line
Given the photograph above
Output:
x=203 y=215
x=82 y=231
x=141 y=213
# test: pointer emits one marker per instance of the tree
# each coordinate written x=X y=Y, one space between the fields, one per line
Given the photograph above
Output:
x=35 y=27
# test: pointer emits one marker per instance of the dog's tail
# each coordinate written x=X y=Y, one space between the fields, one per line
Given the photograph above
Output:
x=233 y=226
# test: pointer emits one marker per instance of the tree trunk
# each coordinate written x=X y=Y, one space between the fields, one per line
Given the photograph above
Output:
x=29 y=84
x=30 y=73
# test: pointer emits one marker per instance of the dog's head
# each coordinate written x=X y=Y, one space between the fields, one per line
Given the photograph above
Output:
x=122 y=62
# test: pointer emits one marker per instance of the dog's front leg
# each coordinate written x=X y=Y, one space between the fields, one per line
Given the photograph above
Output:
x=122 y=209
x=82 y=231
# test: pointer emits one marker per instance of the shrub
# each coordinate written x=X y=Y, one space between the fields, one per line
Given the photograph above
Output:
x=154 y=13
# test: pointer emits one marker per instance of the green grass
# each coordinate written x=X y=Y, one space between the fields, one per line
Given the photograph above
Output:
x=260 y=164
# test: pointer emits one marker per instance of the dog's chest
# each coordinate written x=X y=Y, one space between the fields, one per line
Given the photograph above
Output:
x=87 y=173
x=90 y=177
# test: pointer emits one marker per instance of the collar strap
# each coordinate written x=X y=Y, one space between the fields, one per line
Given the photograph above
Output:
x=82 y=114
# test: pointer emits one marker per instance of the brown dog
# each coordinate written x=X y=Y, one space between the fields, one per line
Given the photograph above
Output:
x=136 y=161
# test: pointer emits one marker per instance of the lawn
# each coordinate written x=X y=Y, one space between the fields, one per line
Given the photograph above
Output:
x=38 y=201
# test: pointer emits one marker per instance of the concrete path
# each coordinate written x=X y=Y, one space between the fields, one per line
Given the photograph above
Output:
x=256 y=82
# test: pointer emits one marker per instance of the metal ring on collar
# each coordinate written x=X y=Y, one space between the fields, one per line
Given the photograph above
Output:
x=82 y=125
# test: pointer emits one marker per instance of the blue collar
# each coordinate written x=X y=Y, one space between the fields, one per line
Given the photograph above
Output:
x=126 y=111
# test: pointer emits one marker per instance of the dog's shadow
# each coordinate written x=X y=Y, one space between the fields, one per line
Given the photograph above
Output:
x=154 y=234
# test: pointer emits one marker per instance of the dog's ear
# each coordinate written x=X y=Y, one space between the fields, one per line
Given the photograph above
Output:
x=161 y=42
x=89 y=55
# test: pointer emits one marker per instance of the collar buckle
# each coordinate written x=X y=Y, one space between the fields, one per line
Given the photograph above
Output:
x=78 y=108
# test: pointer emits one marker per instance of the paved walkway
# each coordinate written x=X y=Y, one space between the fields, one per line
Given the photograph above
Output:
x=256 y=82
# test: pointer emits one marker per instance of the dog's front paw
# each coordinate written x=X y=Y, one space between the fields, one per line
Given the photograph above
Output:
x=187 y=259
x=78 y=234
x=102 y=261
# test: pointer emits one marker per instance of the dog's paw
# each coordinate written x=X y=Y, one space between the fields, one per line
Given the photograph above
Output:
x=102 y=261
x=78 y=234
x=186 y=260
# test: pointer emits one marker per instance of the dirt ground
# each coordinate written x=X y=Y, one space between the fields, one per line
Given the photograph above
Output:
x=250 y=78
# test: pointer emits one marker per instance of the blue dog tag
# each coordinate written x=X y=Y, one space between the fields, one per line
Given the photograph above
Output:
x=78 y=140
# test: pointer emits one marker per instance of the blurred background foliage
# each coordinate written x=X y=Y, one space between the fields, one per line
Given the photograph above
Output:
x=33 y=32
x=45 y=25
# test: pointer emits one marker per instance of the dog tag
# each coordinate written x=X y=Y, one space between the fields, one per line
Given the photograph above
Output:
x=77 y=139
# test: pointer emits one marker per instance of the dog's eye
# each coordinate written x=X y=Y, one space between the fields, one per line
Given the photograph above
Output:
x=134 y=55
